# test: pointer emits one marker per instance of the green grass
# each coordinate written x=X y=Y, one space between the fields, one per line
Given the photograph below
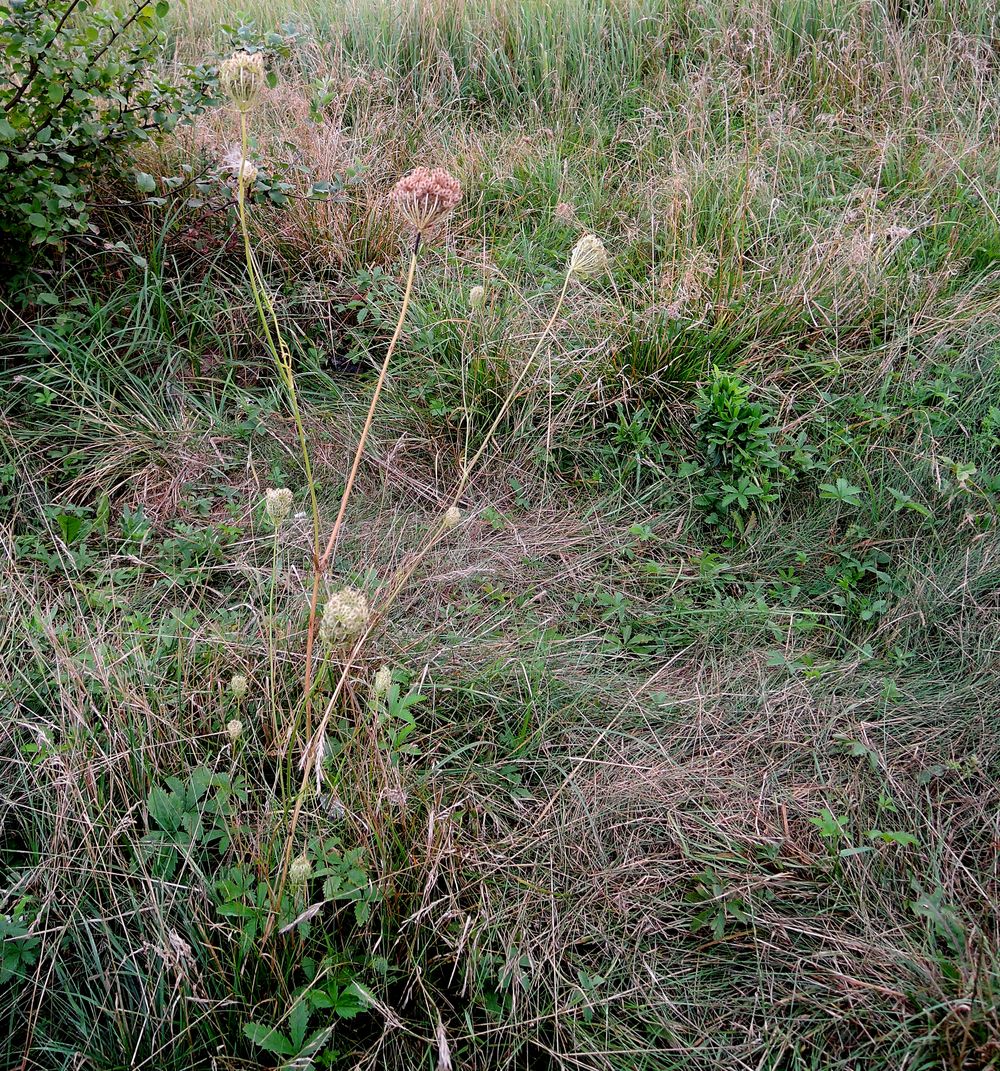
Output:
x=703 y=769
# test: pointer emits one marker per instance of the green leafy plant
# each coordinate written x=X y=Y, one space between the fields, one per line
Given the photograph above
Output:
x=79 y=87
x=742 y=471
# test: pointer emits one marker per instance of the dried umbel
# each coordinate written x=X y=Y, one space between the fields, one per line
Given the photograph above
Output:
x=277 y=504
x=589 y=258
x=246 y=171
x=395 y=796
x=234 y=730
x=242 y=78
x=452 y=516
x=425 y=196
x=300 y=870
x=344 y=616
x=383 y=681
x=238 y=686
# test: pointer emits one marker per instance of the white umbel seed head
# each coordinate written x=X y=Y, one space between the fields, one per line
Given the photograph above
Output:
x=242 y=78
x=383 y=681
x=344 y=616
x=300 y=870
x=589 y=257
x=277 y=504
x=452 y=516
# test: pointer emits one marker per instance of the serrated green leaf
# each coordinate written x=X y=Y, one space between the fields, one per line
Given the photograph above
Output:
x=268 y=1039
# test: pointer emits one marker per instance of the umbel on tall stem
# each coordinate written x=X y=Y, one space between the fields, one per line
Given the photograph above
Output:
x=423 y=198
x=242 y=77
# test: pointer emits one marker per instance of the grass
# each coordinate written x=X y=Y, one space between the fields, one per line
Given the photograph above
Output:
x=690 y=755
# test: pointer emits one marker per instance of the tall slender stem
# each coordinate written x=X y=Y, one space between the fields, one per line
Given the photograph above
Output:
x=272 y=681
x=400 y=579
x=275 y=342
x=331 y=546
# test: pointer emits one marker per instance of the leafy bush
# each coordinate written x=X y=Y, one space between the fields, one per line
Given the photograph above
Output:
x=78 y=86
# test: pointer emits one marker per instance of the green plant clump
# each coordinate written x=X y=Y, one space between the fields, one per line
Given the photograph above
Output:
x=80 y=85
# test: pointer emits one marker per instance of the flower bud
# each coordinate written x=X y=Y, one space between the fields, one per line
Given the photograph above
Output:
x=277 y=504
x=300 y=870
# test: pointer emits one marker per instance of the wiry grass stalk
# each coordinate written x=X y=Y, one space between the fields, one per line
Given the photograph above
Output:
x=272 y=332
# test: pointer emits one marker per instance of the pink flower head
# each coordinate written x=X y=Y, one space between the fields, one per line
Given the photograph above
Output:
x=425 y=196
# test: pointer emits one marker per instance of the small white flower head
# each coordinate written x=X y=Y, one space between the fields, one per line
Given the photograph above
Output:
x=242 y=78
x=277 y=504
x=589 y=258
x=300 y=870
x=238 y=686
x=452 y=516
x=234 y=730
x=383 y=681
x=477 y=297
x=344 y=616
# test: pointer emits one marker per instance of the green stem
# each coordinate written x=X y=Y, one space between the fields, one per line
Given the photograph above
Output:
x=275 y=342
x=273 y=684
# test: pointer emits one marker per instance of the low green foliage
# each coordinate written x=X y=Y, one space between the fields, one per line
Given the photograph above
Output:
x=81 y=89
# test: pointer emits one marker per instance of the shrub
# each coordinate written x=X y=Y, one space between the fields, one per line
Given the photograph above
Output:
x=78 y=87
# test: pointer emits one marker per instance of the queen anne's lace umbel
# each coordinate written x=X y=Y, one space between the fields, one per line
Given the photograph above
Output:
x=277 y=504
x=242 y=78
x=344 y=616
x=425 y=196
x=588 y=258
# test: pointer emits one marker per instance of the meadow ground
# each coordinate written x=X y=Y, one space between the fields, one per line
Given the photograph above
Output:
x=690 y=754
